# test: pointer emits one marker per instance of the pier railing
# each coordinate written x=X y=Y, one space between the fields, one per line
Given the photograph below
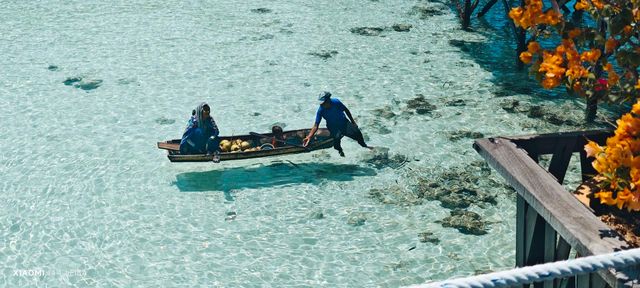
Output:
x=545 y=272
x=551 y=222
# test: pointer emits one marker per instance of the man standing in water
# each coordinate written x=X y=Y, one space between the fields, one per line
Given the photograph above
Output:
x=333 y=111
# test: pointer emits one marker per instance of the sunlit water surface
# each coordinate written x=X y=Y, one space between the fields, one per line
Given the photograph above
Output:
x=88 y=200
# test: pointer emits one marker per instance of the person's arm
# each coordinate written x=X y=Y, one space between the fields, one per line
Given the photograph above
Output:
x=186 y=136
x=215 y=131
x=350 y=117
x=342 y=107
x=314 y=129
x=306 y=140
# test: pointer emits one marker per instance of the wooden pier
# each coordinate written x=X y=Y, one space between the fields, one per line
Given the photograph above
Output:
x=551 y=222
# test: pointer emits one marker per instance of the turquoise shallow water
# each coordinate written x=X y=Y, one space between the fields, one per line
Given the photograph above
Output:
x=88 y=200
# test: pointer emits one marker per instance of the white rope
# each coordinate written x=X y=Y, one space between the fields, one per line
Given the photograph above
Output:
x=544 y=272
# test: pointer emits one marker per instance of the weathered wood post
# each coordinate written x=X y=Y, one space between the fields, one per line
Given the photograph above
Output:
x=551 y=222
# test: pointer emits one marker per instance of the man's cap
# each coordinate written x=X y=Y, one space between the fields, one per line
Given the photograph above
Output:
x=324 y=96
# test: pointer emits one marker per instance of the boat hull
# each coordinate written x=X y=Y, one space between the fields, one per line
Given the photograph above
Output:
x=321 y=140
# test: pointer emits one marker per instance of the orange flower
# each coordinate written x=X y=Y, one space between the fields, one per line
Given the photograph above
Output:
x=582 y=5
x=516 y=14
x=608 y=67
x=577 y=87
x=634 y=146
x=635 y=109
x=572 y=57
x=634 y=205
x=525 y=57
x=605 y=197
x=532 y=15
x=554 y=71
x=533 y=47
x=534 y=5
x=618 y=163
x=550 y=82
x=552 y=17
x=614 y=78
x=613 y=140
x=576 y=72
x=601 y=165
x=627 y=29
x=628 y=126
x=590 y=56
x=550 y=59
x=624 y=196
x=610 y=45
x=598 y=4
x=575 y=32
x=592 y=149
x=569 y=44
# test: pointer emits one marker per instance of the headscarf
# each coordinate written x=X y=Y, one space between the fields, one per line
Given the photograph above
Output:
x=200 y=116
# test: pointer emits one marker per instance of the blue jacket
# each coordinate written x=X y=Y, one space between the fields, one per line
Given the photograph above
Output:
x=195 y=136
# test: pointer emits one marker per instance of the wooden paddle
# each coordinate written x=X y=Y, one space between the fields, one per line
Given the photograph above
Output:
x=277 y=140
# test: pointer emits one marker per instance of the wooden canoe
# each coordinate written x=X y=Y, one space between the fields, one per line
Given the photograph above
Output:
x=321 y=140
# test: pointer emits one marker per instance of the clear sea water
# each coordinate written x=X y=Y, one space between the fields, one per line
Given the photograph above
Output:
x=87 y=200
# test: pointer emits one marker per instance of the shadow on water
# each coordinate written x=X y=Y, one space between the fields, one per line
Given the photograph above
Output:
x=498 y=55
x=274 y=174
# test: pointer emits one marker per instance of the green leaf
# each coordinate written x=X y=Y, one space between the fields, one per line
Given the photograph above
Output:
x=628 y=58
x=607 y=11
x=599 y=39
x=613 y=97
x=588 y=93
x=538 y=76
x=617 y=23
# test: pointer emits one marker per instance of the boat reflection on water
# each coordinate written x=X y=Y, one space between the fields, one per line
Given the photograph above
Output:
x=271 y=175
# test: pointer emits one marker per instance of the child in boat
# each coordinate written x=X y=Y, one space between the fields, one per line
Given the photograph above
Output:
x=277 y=135
x=201 y=134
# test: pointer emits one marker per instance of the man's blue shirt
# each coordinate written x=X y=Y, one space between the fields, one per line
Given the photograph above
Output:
x=334 y=116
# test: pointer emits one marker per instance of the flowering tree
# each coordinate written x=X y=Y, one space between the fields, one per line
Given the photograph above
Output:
x=597 y=58
x=618 y=163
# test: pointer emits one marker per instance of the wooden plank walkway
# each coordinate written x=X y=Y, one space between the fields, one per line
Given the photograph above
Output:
x=550 y=221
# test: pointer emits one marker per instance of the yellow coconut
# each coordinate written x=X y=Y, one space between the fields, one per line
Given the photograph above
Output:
x=245 y=145
x=223 y=142
x=235 y=148
x=237 y=142
x=225 y=146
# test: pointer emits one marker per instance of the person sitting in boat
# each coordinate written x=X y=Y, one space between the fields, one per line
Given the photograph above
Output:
x=278 y=136
x=333 y=112
x=201 y=134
